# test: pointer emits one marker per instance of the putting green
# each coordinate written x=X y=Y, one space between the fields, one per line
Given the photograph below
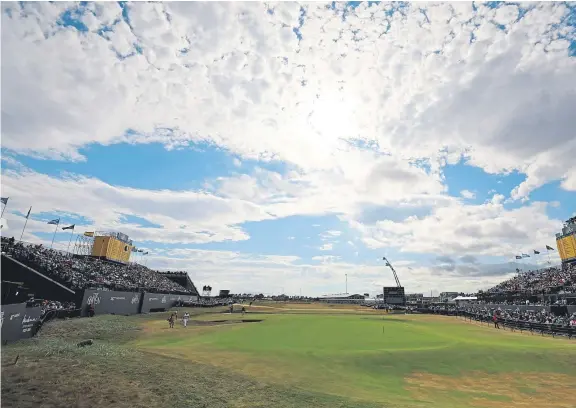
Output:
x=398 y=361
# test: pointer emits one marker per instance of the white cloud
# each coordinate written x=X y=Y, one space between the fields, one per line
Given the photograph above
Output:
x=235 y=75
x=458 y=229
x=185 y=216
x=326 y=247
x=363 y=111
x=269 y=273
x=467 y=194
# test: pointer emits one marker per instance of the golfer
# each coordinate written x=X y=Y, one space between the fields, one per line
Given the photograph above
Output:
x=185 y=319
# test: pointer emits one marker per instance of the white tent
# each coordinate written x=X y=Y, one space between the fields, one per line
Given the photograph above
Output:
x=464 y=298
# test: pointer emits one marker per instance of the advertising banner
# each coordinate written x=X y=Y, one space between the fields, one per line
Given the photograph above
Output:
x=18 y=321
x=160 y=301
x=111 y=302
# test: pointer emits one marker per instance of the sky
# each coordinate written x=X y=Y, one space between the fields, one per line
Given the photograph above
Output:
x=287 y=147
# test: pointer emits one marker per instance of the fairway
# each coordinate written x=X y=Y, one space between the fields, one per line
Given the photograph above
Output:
x=390 y=360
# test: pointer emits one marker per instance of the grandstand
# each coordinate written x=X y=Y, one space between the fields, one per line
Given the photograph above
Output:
x=343 y=298
x=182 y=279
x=56 y=275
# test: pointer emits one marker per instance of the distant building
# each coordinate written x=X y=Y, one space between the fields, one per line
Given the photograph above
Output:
x=342 y=298
x=446 y=296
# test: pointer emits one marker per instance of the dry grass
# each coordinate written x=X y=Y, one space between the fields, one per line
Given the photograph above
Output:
x=522 y=390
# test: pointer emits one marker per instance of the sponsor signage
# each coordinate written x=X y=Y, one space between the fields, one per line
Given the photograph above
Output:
x=18 y=321
x=111 y=302
x=160 y=301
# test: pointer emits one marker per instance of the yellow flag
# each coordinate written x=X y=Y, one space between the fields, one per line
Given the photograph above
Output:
x=89 y=234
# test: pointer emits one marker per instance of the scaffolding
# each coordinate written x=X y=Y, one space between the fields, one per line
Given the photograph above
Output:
x=83 y=245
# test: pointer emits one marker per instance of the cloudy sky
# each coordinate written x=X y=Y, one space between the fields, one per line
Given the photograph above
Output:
x=271 y=147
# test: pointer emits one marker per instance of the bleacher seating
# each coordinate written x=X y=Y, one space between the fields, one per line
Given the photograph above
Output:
x=547 y=280
x=80 y=273
x=534 y=321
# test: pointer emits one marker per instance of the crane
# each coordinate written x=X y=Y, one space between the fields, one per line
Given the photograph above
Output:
x=393 y=271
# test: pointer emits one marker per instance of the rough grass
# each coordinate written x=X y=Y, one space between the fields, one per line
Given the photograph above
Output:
x=288 y=360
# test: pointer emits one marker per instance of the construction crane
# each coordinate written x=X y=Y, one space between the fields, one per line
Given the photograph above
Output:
x=393 y=271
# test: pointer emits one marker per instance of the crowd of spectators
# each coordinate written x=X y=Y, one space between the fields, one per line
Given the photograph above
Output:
x=209 y=302
x=540 y=316
x=547 y=280
x=85 y=272
x=51 y=305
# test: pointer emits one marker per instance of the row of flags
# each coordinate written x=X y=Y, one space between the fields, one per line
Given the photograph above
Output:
x=56 y=221
x=4 y=200
x=548 y=248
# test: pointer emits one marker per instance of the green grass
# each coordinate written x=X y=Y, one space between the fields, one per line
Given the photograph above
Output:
x=288 y=360
x=372 y=358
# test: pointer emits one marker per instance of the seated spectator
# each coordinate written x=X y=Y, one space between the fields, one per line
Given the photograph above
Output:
x=85 y=272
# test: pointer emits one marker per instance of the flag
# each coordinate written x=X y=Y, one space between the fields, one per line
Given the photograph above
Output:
x=549 y=248
x=89 y=234
x=140 y=250
x=69 y=227
x=145 y=253
x=134 y=249
x=4 y=200
x=525 y=256
x=28 y=215
x=54 y=222
x=518 y=257
x=536 y=252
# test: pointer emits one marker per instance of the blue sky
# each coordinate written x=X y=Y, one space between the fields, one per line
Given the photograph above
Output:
x=295 y=157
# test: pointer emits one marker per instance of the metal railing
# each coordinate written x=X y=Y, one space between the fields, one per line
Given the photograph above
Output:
x=511 y=324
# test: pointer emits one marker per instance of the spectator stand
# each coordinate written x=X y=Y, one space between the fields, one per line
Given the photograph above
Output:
x=534 y=321
x=83 y=272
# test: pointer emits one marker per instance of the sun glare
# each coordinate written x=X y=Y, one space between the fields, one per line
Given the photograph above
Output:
x=333 y=117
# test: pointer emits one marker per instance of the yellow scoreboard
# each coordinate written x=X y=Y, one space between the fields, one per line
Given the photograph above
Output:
x=567 y=246
x=111 y=248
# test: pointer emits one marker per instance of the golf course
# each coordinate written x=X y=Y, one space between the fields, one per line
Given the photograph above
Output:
x=301 y=356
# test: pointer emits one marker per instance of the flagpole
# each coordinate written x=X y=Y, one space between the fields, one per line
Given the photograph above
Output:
x=5 y=205
x=25 y=223
x=54 y=236
x=69 y=242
